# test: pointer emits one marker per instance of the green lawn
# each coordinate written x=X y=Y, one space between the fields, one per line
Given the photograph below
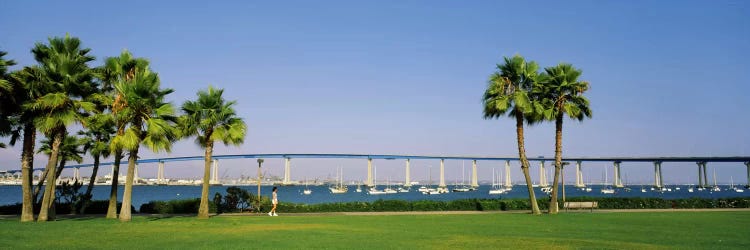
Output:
x=491 y=231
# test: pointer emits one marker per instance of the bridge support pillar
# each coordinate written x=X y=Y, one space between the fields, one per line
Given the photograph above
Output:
x=657 y=175
x=579 y=175
x=407 y=181
x=76 y=174
x=215 y=174
x=474 y=181
x=160 y=174
x=508 y=183
x=287 y=171
x=542 y=175
x=705 y=176
x=135 y=174
x=701 y=166
x=442 y=173
x=618 y=175
x=369 y=173
x=747 y=164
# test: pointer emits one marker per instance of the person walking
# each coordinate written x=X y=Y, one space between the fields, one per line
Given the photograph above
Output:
x=274 y=201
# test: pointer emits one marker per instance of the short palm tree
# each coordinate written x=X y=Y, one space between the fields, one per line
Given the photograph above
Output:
x=65 y=67
x=150 y=121
x=96 y=137
x=508 y=93
x=562 y=93
x=211 y=119
x=70 y=150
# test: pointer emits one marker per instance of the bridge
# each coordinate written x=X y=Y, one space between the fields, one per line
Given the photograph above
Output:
x=701 y=163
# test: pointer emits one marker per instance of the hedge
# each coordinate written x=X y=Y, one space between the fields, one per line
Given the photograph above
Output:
x=94 y=207
x=190 y=206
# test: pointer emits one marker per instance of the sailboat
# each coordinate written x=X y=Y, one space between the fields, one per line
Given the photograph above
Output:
x=736 y=189
x=374 y=189
x=307 y=191
x=496 y=189
x=339 y=188
x=463 y=187
x=607 y=189
x=388 y=189
x=359 y=189
x=429 y=189
x=716 y=187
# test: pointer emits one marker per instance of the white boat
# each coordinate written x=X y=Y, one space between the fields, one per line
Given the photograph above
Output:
x=716 y=187
x=464 y=187
x=423 y=189
x=608 y=189
x=307 y=191
x=690 y=189
x=736 y=189
x=375 y=191
x=388 y=189
x=403 y=190
x=496 y=189
x=429 y=190
x=359 y=189
x=339 y=188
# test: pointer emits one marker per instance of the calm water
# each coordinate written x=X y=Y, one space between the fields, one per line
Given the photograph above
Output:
x=321 y=194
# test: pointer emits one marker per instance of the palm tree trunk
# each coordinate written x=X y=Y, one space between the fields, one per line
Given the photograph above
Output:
x=553 y=208
x=49 y=191
x=90 y=187
x=112 y=209
x=52 y=212
x=525 y=163
x=203 y=208
x=39 y=185
x=27 y=172
x=125 y=215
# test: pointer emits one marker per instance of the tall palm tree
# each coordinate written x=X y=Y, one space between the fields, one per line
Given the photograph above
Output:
x=562 y=93
x=28 y=84
x=66 y=70
x=508 y=93
x=115 y=70
x=150 y=121
x=211 y=119
x=99 y=129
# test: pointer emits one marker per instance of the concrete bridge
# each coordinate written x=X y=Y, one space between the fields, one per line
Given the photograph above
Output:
x=701 y=163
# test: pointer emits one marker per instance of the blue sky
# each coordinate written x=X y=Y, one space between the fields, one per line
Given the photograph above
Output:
x=405 y=77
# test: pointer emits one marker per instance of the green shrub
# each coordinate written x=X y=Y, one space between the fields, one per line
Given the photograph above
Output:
x=189 y=206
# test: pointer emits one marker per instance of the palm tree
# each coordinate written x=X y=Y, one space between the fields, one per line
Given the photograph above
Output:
x=96 y=138
x=508 y=93
x=211 y=119
x=562 y=93
x=150 y=121
x=28 y=85
x=5 y=85
x=64 y=64
x=115 y=70
x=6 y=97
x=70 y=150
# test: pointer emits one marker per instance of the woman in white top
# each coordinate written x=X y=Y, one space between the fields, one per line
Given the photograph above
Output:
x=274 y=201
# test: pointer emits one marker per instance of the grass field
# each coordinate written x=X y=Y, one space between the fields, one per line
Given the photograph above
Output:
x=657 y=230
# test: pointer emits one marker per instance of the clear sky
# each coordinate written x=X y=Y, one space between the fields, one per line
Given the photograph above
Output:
x=668 y=78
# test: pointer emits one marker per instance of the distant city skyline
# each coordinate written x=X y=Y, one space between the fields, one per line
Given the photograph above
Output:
x=407 y=78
